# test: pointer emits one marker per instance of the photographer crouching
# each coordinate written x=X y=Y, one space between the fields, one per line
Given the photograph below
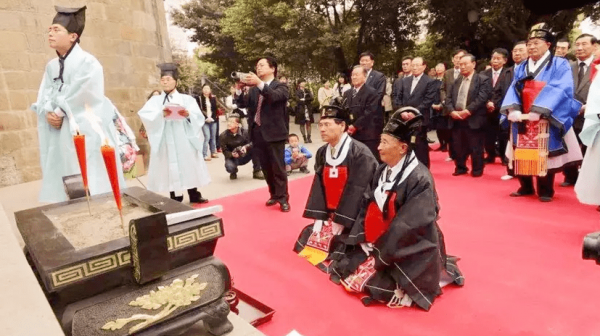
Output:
x=237 y=149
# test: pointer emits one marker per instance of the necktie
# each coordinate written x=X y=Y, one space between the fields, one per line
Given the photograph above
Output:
x=455 y=74
x=580 y=74
x=461 y=101
x=332 y=151
x=495 y=79
x=354 y=93
x=414 y=84
x=388 y=174
x=258 y=108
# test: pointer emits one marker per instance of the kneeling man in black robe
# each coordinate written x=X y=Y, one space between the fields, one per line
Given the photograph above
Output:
x=400 y=257
x=343 y=170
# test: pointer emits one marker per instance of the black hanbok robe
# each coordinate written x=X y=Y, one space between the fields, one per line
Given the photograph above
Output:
x=408 y=246
x=337 y=190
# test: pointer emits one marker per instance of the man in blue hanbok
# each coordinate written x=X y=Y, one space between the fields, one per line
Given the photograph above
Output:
x=71 y=100
x=541 y=107
x=173 y=122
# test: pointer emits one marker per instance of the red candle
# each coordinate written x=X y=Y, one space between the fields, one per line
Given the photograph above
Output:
x=108 y=154
x=79 y=141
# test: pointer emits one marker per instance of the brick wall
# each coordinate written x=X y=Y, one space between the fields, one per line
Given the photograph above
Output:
x=129 y=37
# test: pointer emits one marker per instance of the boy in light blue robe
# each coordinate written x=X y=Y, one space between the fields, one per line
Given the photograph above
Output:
x=554 y=102
x=173 y=122
x=70 y=100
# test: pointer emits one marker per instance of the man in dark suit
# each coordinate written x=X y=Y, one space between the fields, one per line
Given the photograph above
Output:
x=449 y=77
x=467 y=105
x=268 y=123
x=396 y=86
x=375 y=79
x=418 y=91
x=500 y=79
x=362 y=102
x=584 y=51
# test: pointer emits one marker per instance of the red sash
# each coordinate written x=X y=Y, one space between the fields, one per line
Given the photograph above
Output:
x=375 y=224
x=334 y=186
x=531 y=90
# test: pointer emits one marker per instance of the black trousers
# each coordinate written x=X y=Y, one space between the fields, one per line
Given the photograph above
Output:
x=465 y=142
x=491 y=136
x=422 y=147
x=272 y=161
x=545 y=185
x=503 y=138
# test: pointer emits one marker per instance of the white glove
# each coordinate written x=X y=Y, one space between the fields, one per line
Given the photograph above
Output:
x=514 y=116
x=367 y=247
x=336 y=228
x=317 y=226
x=534 y=116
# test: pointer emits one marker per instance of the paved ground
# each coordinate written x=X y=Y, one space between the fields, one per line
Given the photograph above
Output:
x=24 y=196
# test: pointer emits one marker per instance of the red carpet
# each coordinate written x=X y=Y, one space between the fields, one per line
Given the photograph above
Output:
x=521 y=259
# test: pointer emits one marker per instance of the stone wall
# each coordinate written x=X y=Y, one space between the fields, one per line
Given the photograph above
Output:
x=129 y=37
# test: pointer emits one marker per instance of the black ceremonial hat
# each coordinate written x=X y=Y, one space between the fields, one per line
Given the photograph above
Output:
x=542 y=31
x=404 y=130
x=336 y=110
x=73 y=19
x=169 y=69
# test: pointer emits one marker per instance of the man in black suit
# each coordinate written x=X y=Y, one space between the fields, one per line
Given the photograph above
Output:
x=467 y=105
x=362 y=102
x=584 y=51
x=396 y=86
x=375 y=79
x=418 y=91
x=500 y=79
x=268 y=123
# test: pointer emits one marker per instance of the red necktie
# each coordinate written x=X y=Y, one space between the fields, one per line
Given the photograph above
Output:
x=258 y=108
x=495 y=79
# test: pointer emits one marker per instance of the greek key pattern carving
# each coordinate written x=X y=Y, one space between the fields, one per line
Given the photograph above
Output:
x=122 y=258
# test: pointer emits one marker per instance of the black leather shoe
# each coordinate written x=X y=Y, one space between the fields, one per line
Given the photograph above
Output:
x=519 y=193
x=233 y=176
x=285 y=207
x=271 y=202
x=258 y=175
x=196 y=197
x=567 y=184
x=545 y=199
x=489 y=160
x=176 y=198
x=459 y=172
x=477 y=174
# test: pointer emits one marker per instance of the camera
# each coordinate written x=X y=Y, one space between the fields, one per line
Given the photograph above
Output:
x=239 y=76
x=591 y=247
x=242 y=150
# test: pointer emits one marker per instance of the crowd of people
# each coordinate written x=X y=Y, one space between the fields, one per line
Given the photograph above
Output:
x=373 y=199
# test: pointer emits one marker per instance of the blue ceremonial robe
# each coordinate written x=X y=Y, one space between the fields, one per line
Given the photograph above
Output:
x=555 y=102
x=81 y=98
x=176 y=160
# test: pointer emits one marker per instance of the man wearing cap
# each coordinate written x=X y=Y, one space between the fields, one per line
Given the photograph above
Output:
x=541 y=106
x=71 y=101
x=174 y=123
x=400 y=253
x=343 y=169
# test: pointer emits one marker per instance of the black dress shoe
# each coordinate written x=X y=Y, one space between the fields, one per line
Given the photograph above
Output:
x=476 y=174
x=567 y=184
x=258 y=175
x=271 y=202
x=489 y=160
x=459 y=172
x=519 y=193
x=545 y=199
x=233 y=176
x=176 y=198
x=285 y=207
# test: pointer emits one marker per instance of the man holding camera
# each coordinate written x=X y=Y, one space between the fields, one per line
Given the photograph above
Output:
x=268 y=124
x=237 y=149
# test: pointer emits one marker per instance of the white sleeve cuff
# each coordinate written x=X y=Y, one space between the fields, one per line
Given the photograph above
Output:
x=261 y=86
